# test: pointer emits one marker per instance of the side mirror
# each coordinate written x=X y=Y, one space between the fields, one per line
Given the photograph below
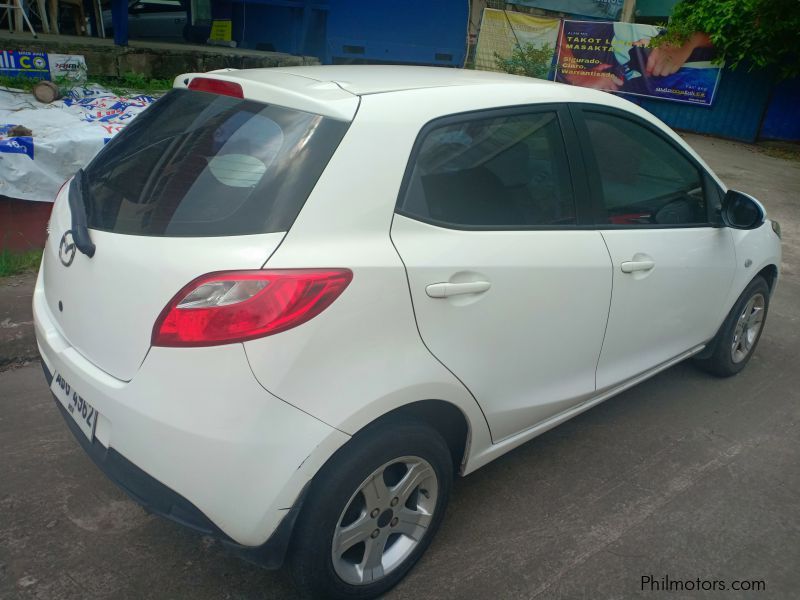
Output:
x=741 y=211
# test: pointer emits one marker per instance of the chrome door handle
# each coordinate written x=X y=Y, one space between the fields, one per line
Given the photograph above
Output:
x=445 y=290
x=637 y=265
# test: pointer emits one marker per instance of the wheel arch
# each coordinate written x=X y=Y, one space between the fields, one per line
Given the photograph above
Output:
x=445 y=417
x=770 y=274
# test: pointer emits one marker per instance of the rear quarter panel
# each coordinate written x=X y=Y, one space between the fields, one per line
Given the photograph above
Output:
x=363 y=356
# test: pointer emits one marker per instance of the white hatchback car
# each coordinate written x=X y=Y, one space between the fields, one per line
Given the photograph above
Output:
x=285 y=306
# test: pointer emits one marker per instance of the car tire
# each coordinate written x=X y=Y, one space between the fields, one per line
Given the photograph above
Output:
x=345 y=503
x=736 y=341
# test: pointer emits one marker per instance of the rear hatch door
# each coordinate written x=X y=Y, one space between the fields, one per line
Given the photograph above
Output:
x=200 y=182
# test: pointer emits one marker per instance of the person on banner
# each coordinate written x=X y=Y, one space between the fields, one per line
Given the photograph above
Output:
x=617 y=57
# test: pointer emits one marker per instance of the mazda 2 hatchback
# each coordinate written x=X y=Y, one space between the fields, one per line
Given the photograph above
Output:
x=284 y=307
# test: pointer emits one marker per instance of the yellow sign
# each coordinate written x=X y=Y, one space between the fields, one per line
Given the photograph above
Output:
x=502 y=30
x=221 y=31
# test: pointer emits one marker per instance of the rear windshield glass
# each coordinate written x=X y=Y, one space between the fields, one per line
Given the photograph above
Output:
x=200 y=164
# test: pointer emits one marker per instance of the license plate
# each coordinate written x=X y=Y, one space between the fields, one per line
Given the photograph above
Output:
x=84 y=413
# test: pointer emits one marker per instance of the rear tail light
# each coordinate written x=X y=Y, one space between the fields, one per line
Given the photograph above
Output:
x=234 y=306
x=216 y=86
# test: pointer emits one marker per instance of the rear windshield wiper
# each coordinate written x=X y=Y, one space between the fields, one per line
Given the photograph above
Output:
x=77 y=206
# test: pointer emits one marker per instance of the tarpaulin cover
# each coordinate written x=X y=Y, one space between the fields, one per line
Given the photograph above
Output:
x=65 y=137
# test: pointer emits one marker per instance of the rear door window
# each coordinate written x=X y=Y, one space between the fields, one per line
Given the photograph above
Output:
x=200 y=164
x=503 y=172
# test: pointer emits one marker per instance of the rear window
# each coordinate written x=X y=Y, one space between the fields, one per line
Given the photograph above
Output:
x=200 y=164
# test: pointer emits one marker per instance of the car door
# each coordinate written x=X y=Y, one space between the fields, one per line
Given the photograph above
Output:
x=654 y=206
x=510 y=286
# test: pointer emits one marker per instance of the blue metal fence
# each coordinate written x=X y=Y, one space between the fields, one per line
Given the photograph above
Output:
x=782 y=121
x=737 y=112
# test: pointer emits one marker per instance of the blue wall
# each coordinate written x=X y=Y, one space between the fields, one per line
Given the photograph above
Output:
x=291 y=26
x=737 y=112
x=402 y=31
x=335 y=31
x=782 y=121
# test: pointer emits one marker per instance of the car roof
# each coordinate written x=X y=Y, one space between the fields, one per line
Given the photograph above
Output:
x=334 y=90
x=377 y=79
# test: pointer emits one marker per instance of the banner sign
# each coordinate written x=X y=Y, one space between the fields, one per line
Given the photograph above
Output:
x=615 y=57
x=67 y=66
x=15 y=63
x=502 y=31
x=39 y=65
x=600 y=9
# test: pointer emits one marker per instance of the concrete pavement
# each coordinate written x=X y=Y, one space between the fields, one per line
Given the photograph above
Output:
x=684 y=476
x=17 y=340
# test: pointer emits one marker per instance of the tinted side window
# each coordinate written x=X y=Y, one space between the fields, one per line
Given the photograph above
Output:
x=507 y=171
x=644 y=179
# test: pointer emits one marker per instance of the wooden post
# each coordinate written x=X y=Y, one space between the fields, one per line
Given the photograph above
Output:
x=628 y=11
x=43 y=15
x=53 y=16
x=18 y=26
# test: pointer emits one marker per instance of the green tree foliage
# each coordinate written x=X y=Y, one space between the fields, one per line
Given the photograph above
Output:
x=758 y=33
x=528 y=60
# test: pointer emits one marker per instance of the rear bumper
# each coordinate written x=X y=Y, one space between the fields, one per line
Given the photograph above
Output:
x=194 y=437
x=157 y=498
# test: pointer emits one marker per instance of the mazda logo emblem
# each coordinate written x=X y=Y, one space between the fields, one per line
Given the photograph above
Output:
x=66 y=249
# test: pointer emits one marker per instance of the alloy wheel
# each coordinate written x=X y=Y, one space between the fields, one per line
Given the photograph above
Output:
x=748 y=326
x=384 y=520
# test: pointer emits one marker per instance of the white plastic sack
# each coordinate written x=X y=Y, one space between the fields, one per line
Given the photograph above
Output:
x=66 y=136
